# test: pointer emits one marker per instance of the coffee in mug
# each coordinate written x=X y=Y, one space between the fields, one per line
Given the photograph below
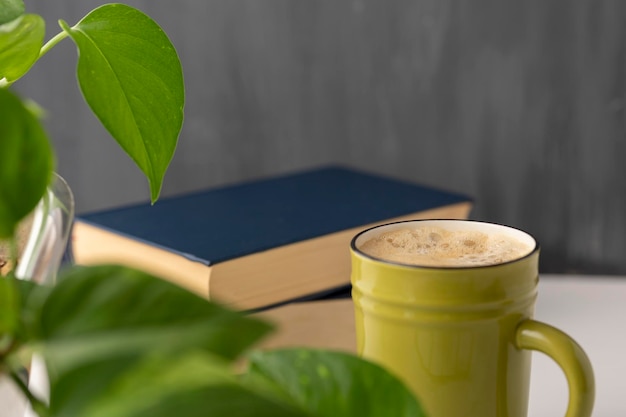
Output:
x=431 y=245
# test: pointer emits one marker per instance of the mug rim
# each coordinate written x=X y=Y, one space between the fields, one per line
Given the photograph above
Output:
x=359 y=252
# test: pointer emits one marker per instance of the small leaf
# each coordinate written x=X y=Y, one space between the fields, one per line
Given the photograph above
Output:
x=20 y=43
x=10 y=306
x=24 y=289
x=27 y=162
x=131 y=77
x=106 y=312
x=13 y=299
x=10 y=10
x=324 y=383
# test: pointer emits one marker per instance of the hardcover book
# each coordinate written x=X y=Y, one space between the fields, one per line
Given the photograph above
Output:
x=259 y=243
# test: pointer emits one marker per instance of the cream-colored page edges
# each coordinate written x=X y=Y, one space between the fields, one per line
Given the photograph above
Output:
x=325 y=324
x=90 y=248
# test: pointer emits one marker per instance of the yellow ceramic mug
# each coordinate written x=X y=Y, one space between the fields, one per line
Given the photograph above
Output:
x=461 y=336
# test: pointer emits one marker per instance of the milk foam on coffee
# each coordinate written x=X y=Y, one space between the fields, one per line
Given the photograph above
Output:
x=427 y=245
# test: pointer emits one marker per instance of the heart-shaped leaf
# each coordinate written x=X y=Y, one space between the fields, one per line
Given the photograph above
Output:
x=27 y=162
x=20 y=43
x=131 y=77
x=324 y=383
x=10 y=10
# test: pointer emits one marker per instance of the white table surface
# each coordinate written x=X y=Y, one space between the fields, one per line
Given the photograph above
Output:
x=591 y=309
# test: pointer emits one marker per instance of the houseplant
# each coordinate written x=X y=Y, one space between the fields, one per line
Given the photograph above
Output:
x=118 y=342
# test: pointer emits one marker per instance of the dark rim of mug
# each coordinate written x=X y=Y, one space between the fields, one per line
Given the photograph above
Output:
x=374 y=258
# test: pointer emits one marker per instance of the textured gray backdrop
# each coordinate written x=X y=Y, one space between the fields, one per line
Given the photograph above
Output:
x=518 y=103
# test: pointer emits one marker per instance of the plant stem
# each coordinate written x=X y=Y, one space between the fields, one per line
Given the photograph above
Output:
x=52 y=42
x=38 y=406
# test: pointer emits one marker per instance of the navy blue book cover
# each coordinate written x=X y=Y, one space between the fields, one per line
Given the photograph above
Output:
x=224 y=223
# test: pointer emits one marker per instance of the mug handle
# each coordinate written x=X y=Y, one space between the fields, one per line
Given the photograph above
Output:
x=569 y=356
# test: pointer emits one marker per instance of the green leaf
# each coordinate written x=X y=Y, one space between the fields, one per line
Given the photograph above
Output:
x=13 y=299
x=9 y=306
x=131 y=77
x=24 y=289
x=195 y=384
x=105 y=312
x=102 y=329
x=324 y=383
x=27 y=162
x=10 y=10
x=20 y=43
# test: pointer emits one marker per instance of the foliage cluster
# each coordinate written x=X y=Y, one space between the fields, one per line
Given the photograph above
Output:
x=115 y=341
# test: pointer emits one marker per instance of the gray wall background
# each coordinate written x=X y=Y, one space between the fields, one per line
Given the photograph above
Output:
x=518 y=103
